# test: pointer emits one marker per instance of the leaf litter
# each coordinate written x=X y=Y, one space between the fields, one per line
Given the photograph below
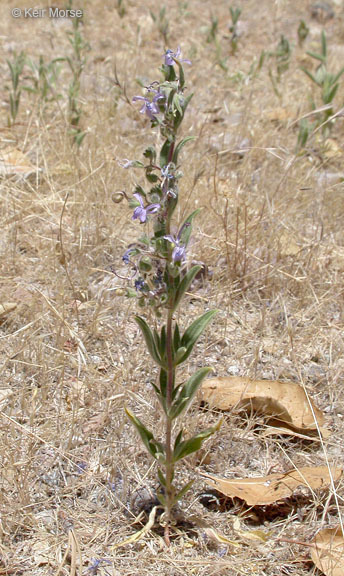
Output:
x=280 y=402
x=269 y=489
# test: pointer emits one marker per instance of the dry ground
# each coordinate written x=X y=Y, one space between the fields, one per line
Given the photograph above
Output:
x=271 y=233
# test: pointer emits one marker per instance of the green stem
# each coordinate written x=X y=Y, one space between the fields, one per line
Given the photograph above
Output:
x=170 y=381
x=168 y=437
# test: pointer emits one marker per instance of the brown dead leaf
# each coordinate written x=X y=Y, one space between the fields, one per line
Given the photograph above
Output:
x=274 y=429
x=6 y=308
x=280 y=114
x=332 y=149
x=96 y=423
x=287 y=244
x=266 y=490
x=284 y=401
x=13 y=161
x=328 y=554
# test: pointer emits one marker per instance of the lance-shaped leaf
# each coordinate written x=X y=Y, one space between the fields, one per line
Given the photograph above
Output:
x=310 y=75
x=187 y=447
x=176 y=338
x=194 y=331
x=149 y=339
x=185 y=284
x=323 y=44
x=316 y=56
x=163 y=382
x=154 y=447
x=337 y=76
x=161 y=397
x=188 y=391
x=186 y=228
x=164 y=152
x=179 y=147
x=183 y=491
x=179 y=355
x=161 y=477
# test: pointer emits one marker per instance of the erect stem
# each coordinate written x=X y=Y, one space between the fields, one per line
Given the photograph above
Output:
x=169 y=495
x=168 y=437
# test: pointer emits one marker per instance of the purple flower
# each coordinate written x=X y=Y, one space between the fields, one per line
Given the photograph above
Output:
x=179 y=249
x=149 y=108
x=141 y=212
x=139 y=284
x=126 y=163
x=126 y=255
x=171 y=57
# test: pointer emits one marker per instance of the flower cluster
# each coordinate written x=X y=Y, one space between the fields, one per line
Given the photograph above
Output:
x=164 y=104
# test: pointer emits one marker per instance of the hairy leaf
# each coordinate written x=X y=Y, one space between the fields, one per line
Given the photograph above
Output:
x=154 y=447
x=185 y=284
x=188 y=391
x=193 y=444
x=149 y=339
x=183 y=491
x=179 y=147
x=194 y=331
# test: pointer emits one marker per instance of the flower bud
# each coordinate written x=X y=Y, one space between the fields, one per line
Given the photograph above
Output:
x=145 y=264
x=117 y=197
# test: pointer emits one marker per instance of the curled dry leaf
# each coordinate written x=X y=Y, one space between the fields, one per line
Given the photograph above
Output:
x=328 y=553
x=284 y=401
x=266 y=490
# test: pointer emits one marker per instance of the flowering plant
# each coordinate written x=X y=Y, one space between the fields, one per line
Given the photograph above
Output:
x=161 y=277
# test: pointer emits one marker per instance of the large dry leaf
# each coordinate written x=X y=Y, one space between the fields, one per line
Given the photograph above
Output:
x=269 y=489
x=328 y=554
x=284 y=401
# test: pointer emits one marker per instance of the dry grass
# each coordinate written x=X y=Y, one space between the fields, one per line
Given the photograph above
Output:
x=74 y=475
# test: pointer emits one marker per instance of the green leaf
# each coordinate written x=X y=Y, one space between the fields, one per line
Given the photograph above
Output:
x=319 y=57
x=162 y=348
x=176 y=338
x=185 y=284
x=180 y=146
x=323 y=45
x=162 y=478
x=154 y=447
x=188 y=391
x=186 y=227
x=179 y=355
x=337 y=76
x=328 y=96
x=150 y=153
x=178 y=439
x=193 y=444
x=310 y=75
x=183 y=491
x=194 y=331
x=164 y=152
x=149 y=339
x=176 y=104
x=163 y=382
x=161 y=499
x=181 y=73
x=160 y=397
x=152 y=178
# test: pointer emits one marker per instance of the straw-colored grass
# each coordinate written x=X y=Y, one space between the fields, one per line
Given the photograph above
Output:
x=74 y=475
